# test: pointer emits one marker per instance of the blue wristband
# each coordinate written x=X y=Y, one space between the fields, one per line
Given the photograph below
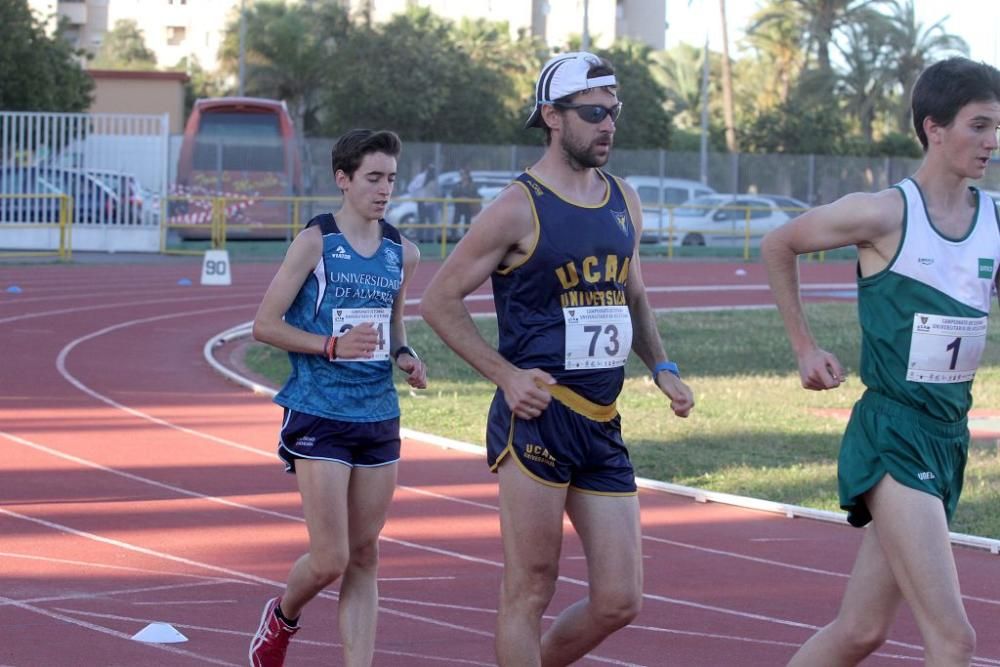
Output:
x=668 y=366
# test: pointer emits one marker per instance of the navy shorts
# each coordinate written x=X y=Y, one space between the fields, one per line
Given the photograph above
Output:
x=573 y=443
x=354 y=444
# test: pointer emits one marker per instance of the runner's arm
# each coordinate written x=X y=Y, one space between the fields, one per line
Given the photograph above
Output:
x=415 y=369
x=859 y=219
x=269 y=325
x=646 y=341
x=503 y=231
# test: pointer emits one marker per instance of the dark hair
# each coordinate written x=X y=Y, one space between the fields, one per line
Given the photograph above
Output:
x=354 y=145
x=604 y=68
x=946 y=86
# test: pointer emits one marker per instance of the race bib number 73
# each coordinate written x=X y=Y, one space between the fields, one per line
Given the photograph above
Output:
x=945 y=349
x=597 y=336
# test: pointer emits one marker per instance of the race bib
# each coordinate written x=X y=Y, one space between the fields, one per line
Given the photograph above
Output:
x=597 y=336
x=345 y=319
x=945 y=349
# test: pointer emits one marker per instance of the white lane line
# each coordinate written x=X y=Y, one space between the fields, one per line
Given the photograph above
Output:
x=665 y=599
x=122 y=591
x=113 y=633
x=126 y=304
x=240 y=633
x=105 y=566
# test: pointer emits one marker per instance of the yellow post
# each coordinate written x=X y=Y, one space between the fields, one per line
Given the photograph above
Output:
x=443 y=225
x=66 y=234
x=746 y=234
x=670 y=233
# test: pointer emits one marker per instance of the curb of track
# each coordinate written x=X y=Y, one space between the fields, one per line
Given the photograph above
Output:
x=698 y=495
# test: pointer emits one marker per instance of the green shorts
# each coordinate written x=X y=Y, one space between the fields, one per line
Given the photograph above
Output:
x=918 y=451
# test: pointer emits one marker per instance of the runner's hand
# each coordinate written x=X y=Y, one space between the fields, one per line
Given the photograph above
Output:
x=525 y=392
x=416 y=371
x=680 y=395
x=819 y=370
x=359 y=342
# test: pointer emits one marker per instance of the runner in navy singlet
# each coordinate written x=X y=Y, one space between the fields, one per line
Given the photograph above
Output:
x=561 y=247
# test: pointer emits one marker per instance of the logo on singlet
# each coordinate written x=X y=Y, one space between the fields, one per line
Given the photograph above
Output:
x=391 y=259
x=986 y=267
x=620 y=220
x=340 y=253
x=924 y=476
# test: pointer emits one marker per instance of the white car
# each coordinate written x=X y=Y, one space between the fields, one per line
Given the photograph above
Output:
x=658 y=195
x=403 y=211
x=730 y=220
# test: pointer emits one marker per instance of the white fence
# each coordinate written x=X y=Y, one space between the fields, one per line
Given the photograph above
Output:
x=113 y=166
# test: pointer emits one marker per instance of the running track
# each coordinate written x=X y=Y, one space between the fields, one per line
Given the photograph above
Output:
x=136 y=485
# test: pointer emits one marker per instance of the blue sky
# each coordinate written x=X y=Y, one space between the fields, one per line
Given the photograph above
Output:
x=976 y=21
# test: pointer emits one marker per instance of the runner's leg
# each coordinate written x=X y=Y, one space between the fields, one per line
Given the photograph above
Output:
x=610 y=531
x=323 y=485
x=866 y=613
x=531 y=515
x=913 y=532
x=369 y=496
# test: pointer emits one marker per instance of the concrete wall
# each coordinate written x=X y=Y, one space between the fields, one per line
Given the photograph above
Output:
x=140 y=92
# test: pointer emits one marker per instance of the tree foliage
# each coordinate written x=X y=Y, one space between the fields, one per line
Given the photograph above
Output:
x=38 y=72
x=124 y=47
x=826 y=76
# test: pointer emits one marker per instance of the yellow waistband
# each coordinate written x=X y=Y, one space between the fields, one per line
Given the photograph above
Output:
x=582 y=406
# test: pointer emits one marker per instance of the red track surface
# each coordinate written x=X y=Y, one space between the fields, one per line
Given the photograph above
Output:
x=136 y=485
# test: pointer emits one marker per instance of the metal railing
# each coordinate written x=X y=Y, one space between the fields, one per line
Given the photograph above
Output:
x=22 y=213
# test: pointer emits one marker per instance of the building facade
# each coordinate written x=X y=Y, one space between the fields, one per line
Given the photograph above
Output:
x=175 y=29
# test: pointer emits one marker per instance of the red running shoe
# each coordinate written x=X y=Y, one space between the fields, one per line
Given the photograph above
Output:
x=271 y=641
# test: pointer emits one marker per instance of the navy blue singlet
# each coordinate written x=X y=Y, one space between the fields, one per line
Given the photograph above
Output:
x=580 y=262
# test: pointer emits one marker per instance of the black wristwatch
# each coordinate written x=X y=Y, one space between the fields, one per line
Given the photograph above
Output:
x=404 y=348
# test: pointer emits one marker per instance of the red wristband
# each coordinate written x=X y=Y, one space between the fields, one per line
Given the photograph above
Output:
x=330 y=349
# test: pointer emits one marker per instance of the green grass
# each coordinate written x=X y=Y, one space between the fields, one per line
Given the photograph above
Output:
x=754 y=430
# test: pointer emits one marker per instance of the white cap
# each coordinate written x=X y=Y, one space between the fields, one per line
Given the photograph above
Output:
x=565 y=74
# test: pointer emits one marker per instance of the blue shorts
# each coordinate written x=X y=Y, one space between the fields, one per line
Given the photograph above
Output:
x=353 y=444
x=573 y=443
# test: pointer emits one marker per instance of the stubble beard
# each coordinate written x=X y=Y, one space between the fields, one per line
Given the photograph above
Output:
x=580 y=157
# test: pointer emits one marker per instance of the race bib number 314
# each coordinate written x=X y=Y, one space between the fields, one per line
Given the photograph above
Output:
x=345 y=319
x=945 y=349
x=597 y=336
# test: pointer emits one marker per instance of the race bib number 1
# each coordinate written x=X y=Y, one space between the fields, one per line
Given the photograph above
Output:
x=345 y=319
x=597 y=336
x=945 y=349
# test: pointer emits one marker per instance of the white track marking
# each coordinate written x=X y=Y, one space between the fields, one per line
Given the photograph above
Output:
x=108 y=631
x=240 y=633
x=229 y=443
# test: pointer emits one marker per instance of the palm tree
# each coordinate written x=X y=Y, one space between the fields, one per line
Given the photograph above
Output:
x=820 y=20
x=727 y=83
x=868 y=75
x=678 y=71
x=780 y=45
x=915 y=47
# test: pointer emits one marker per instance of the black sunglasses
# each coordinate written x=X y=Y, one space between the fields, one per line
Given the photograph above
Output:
x=592 y=113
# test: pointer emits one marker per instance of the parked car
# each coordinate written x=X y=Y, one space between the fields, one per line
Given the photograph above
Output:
x=724 y=219
x=93 y=201
x=135 y=204
x=488 y=185
x=658 y=195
